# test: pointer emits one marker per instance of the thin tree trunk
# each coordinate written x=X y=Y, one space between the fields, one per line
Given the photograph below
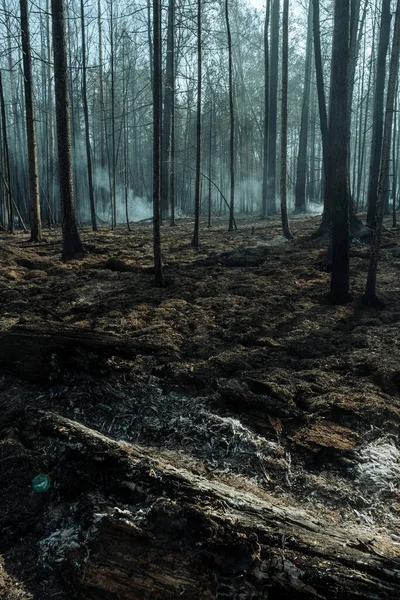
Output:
x=86 y=117
x=8 y=203
x=50 y=120
x=158 y=269
x=113 y=157
x=300 y=196
x=284 y=117
x=383 y=185
x=323 y=116
x=273 y=109
x=195 y=241
x=36 y=231
x=168 y=93
x=264 y=202
x=232 y=125
x=210 y=161
x=377 y=127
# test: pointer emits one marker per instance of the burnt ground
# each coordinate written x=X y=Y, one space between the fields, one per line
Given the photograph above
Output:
x=240 y=370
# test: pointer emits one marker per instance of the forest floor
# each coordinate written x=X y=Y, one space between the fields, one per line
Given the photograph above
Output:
x=239 y=371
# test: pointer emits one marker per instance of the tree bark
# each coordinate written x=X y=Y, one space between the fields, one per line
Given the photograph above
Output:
x=195 y=241
x=377 y=126
x=264 y=202
x=86 y=117
x=383 y=185
x=168 y=104
x=8 y=203
x=323 y=116
x=284 y=117
x=232 y=124
x=273 y=108
x=36 y=231
x=71 y=240
x=300 y=197
x=158 y=268
x=337 y=183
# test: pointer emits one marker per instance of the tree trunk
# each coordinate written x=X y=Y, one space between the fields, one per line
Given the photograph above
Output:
x=337 y=182
x=323 y=117
x=284 y=117
x=158 y=268
x=71 y=240
x=264 y=204
x=273 y=108
x=7 y=182
x=300 y=197
x=383 y=185
x=377 y=126
x=86 y=117
x=232 y=125
x=36 y=231
x=195 y=241
x=167 y=118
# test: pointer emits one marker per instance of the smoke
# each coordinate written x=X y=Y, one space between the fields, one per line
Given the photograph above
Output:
x=139 y=208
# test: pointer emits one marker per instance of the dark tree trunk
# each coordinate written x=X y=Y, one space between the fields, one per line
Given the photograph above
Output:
x=264 y=201
x=300 y=197
x=284 y=117
x=232 y=124
x=167 y=119
x=86 y=117
x=337 y=182
x=273 y=108
x=323 y=117
x=377 y=126
x=158 y=269
x=36 y=231
x=195 y=241
x=383 y=185
x=71 y=240
x=210 y=174
x=7 y=179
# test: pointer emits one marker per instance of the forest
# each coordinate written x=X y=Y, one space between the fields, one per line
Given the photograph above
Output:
x=199 y=299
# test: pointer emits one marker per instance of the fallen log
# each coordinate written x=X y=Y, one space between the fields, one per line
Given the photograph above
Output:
x=38 y=354
x=156 y=530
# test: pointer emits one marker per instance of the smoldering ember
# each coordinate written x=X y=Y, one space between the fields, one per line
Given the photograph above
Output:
x=199 y=300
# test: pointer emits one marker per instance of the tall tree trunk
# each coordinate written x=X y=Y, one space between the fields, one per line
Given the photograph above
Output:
x=7 y=182
x=71 y=240
x=284 y=117
x=273 y=108
x=168 y=93
x=50 y=120
x=232 y=124
x=171 y=162
x=323 y=116
x=36 y=231
x=158 y=269
x=383 y=185
x=337 y=182
x=195 y=241
x=101 y=192
x=86 y=117
x=300 y=196
x=264 y=202
x=377 y=126
x=113 y=152
x=210 y=174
